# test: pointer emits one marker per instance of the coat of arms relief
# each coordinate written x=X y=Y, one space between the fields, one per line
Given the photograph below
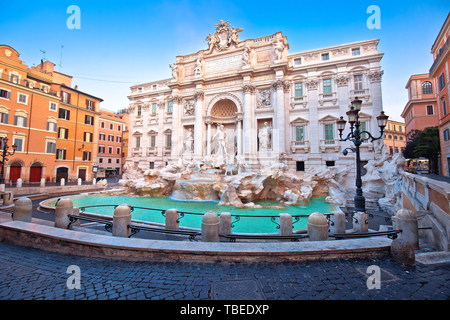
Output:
x=224 y=37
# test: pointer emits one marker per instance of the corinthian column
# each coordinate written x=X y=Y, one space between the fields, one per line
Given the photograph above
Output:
x=279 y=85
x=249 y=134
x=198 y=125
x=176 y=128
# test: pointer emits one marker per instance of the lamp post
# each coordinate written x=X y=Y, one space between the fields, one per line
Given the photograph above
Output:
x=356 y=136
x=5 y=153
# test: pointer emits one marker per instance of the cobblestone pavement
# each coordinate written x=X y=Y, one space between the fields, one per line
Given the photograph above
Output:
x=27 y=273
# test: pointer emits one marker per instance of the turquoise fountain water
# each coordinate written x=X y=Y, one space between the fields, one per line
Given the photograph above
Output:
x=244 y=225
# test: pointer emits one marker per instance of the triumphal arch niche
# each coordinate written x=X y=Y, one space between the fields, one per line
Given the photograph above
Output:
x=253 y=100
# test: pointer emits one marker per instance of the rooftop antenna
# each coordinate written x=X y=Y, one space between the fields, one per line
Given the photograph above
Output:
x=60 y=60
x=43 y=53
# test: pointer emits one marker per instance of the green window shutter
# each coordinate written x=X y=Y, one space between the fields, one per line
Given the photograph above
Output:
x=329 y=134
x=299 y=133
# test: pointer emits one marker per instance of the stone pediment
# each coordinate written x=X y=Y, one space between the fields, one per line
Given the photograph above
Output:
x=299 y=120
x=329 y=118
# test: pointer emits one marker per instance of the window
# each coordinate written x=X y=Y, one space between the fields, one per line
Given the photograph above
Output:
x=20 y=121
x=100 y=160
x=51 y=147
x=169 y=140
x=5 y=94
x=138 y=142
x=111 y=126
x=109 y=160
x=427 y=87
x=155 y=87
x=89 y=120
x=300 y=166
x=119 y=128
x=64 y=114
x=87 y=137
x=110 y=150
x=90 y=105
x=86 y=156
x=170 y=107
x=152 y=141
x=65 y=97
x=441 y=82
x=325 y=56
x=446 y=134
x=51 y=126
x=118 y=139
x=358 y=82
x=154 y=108
x=401 y=138
x=61 y=154
x=63 y=133
x=102 y=124
x=330 y=163
x=53 y=106
x=22 y=98
x=14 y=78
x=111 y=138
x=101 y=137
x=390 y=136
x=118 y=150
x=139 y=111
x=297 y=62
x=152 y=165
x=444 y=106
x=329 y=132
x=429 y=110
x=101 y=149
x=4 y=117
x=19 y=143
x=391 y=151
x=326 y=86
x=140 y=90
x=300 y=133
x=356 y=52
x=298 y=90
x=364 y=127
x=395 y=138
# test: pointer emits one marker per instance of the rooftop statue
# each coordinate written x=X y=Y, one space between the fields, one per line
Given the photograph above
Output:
x=224 y=37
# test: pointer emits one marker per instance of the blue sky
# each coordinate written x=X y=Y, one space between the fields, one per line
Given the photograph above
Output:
x=131 y=42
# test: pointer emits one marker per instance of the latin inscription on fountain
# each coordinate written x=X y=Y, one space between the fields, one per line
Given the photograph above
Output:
x=224 y=64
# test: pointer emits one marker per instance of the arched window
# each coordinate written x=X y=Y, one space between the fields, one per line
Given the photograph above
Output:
x=427 y=87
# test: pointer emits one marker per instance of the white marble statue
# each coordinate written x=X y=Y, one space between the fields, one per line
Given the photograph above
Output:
x=246 y=58
x=265 y=137
x=279 y=48
x=189 y=142
x=174 y=68
x=221 y=141
x=198 y=67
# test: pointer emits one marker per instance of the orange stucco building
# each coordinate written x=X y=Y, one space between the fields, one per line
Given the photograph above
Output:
x=395 y=137
x=421 y=110
x=440 y=73
x=53 y=125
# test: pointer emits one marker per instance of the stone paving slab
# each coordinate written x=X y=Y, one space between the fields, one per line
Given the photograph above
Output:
x=27 y=274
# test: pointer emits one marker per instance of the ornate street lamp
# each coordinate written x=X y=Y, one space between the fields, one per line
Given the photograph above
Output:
x=5 y=153
x=355 y=136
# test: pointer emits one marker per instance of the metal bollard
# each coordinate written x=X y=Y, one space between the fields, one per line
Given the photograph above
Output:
x=122 y=221
x=317 y=227
x=210 y=227
x=64 y=208
x=172 y=222
x=22 y=210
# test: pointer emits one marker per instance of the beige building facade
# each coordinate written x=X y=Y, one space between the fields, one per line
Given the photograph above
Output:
x=269 y=101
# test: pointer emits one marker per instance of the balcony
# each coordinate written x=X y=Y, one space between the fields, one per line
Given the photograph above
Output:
x=439 y=56
x=152 y=151
x=167 y=150
x=329 y=144
x=136 y=152
x=327 y=97
x=361 y=94
x=300 y=146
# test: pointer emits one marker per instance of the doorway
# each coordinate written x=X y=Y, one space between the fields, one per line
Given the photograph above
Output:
x=36 y=172
x=62 y=173
x=14 y=171
x=82 y=174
